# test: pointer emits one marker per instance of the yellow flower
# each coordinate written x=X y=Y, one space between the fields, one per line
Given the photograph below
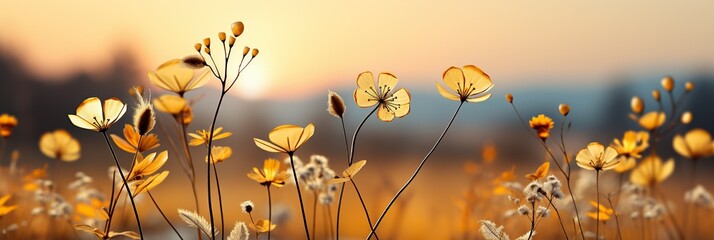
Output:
x=652 y=120
x=696 y=144
x=540 y=172
x=467 y=84
x=262 y=226
x=220 y=154
x=651 y=171
x=175 y=77
x=202 y=136
x=601 y=210
x=596 y=157
x=7 y=123
x=170 y=104
x=271 y=174
x=60 y=145
x=4 y=210
x=391 y=103
x=92 y=115
x=632 y=144
x=148 y=165
x=542 y=124
x=286 y=138
x=148 y=142
x=625 y=164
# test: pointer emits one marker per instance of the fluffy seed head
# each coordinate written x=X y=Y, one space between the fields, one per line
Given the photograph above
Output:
x=247 y=206
x=335 y=104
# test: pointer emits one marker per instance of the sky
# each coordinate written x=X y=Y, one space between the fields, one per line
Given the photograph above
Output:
x=307 y=47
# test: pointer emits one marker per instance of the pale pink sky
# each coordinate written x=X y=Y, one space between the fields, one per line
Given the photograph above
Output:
x=310 y=46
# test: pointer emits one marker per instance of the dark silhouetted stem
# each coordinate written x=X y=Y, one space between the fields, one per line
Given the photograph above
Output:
x=163 y=215
x=126 y=185
x=297 y=186
x=416 y=172
x=270 y=211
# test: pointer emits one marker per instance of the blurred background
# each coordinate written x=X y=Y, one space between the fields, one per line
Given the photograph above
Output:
x=594 y=56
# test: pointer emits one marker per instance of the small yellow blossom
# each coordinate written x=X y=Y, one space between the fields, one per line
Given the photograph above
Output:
x=469 y=83
x=201 y=137
x=262 y=226
x=391 y=103
x=148 y=165
x=652 y=120
x=651 y=171
x=220 y=154
x=286 y=138
x=271 y=174
x=92 y=115
x=696 y=144
x=175 y=77
x=632 y=144
x=60 y=145
x=596 y=157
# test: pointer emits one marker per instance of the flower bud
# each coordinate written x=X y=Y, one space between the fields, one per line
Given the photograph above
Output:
x=509 y=98
x=245 y=51
x=237 y=28
x=198 y=47
x=222 y=36
x=255 y=52
x=667 y=83
x=564 y=109
x=637 y=104
x=231 y=41
x=335 y=104
x=207 y=42
x=686 y=117
x=656 y=95
x=688 y=86
x=207 y=50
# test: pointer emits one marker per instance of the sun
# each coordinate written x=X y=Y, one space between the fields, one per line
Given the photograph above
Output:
x=253 y=82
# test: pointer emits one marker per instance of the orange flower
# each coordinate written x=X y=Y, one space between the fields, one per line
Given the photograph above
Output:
x=542 y=124
x=7 y=123
x=148 y=142
x=271 y=174
x=203 y=136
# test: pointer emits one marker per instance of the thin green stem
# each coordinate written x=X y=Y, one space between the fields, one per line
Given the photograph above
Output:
x=163 y=215
x=126 y=185
x=416 y=172
x=297 y=186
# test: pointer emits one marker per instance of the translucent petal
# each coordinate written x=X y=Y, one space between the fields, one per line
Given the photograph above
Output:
x=384 y=114
x=681 y=147
x=285 y=136
x=81 y=122
x=267 y=146
x=666 y=170
x=454 y=77
x=699 y=142
x=90 y=108
x=446 y=94
x=114 y=109
x=351 y=171
x=365 y=81
x=48 y=145
x=386 y=83
x=365 y=98
x=479 y=99
x=199 y=81
x=400 y=103
x=479 y=81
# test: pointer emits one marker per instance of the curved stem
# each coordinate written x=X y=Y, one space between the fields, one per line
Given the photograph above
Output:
x=220 y=201
x=208 y=163
x=350 y=155
x=297 y=186
x=533 y=210
x=366 y=213
x=416 y=172
x=126 y=185
x=560 y=220
x=163 y=215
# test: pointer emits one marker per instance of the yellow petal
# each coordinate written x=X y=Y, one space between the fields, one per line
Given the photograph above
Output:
x=150 y=183
x=199 y=81
x=699 y=142
x=170 y=104
x=384 y=114
x=113 y=109
x=365 y=98
x=365 y=81
x=81 y=122
x=540 y=172
x=386 y=83
x=351 y=171
x=479 y=99
x=446 y=94
x=454 y=78
x=123 y=145
x=681 y=147
x=267 y=146
x=89 y=109
x=337 y=180
x=666 y=170
x=479 y=81
x=400 y=103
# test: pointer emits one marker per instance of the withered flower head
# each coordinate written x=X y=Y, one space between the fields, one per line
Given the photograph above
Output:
x=254 y=52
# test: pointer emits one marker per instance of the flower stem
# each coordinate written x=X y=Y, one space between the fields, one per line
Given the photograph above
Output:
x=297 y=186
x=220 y=201
x=270 y=211
x=208 y=163
x=416 y=172
x=366 y=213
x=533 y=210
x=163 y=215
x=597 y=195
x=617 y=219
x=314 y=212
x=350 y=155
x=126 y=185
x=560 y=220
